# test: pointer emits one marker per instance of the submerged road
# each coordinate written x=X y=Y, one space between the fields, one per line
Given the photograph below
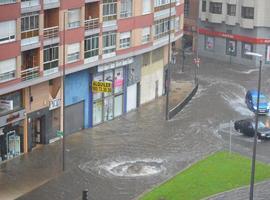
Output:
x=96 y=157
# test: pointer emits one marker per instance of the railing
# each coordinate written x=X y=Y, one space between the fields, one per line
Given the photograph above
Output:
x=30 y=73
x=50 y=1
x=7 y=1
x=7 y=76
x=30 y=3
x=91 y=24
x=51 y=32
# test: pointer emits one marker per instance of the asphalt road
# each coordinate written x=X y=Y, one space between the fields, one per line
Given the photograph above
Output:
x=145 y=136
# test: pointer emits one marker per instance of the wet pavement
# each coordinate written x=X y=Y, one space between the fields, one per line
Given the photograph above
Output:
x=121 y=159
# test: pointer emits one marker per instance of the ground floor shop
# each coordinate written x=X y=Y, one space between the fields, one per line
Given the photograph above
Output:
x=38 y=128
x=233 y=47
x=123 y=76
x=152 y=76
x=12 y=135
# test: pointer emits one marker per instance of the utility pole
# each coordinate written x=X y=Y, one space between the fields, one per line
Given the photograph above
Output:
x=63 y=88
x=168 y=78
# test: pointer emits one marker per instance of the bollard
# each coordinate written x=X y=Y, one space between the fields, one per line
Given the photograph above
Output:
x=85 y=194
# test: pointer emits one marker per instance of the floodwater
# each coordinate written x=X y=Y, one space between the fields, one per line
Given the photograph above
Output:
x=123 y=158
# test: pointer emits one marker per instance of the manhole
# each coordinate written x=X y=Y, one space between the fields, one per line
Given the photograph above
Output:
x=135 y=168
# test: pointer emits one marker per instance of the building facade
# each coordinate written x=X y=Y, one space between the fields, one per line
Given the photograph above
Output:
x=229 y=28
x=123 y=42
x=191 y=14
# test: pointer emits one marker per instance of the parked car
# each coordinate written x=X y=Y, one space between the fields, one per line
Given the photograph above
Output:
x=251 y=101
x=247 y=127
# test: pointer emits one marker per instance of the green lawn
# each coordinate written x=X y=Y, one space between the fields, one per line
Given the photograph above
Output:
x=217 y=173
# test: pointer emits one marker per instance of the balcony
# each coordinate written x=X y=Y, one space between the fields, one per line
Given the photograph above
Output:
x=51 y=32
x=49 y=4
x=2 y=2
x=29 y=74
x=30 y=6
x=91 y=24
x=7 y=76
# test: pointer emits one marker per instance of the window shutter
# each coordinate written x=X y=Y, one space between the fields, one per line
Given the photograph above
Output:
x=74 y=15
x=73 y=48
x=7 y=28
x=7 y=65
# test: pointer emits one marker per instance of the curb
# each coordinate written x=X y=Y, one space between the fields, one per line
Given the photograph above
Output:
x=182 y=104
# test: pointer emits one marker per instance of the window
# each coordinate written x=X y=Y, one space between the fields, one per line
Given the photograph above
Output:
x=7 y=1
x=204 y=6
x=74 y=17
x=231 y=47
x=7 y=69
x=51 y=56
x=231 y=9
x=109 y=42
x=16 y=101
x=30 y=25
x=267 y=54
x=146 y=6
x=125 y=40
x=73 y=51
x=91 y=46
x=109 y=10
x=215 y=8
x=126 y=8
x=161 y=28
x=209 y=43
x=248 y=12
x=246 y=47
x=162 y=2
x=186 y=8
x=177 y=24
x=145 y=35
x=7 y=31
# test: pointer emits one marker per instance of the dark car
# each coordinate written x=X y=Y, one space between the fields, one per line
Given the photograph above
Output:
x=251 y=101
x=247 y=127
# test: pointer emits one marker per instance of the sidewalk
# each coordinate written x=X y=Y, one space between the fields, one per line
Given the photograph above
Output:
x=29 y=171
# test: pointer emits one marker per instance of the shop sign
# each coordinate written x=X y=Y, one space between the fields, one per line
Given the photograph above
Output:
x=11 y=118
x=98 y=86
x=120 y=63
x=234 y=36
x=55 y=103
x=6 y=104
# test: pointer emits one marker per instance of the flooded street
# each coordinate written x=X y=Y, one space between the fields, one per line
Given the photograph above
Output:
x=121 y=159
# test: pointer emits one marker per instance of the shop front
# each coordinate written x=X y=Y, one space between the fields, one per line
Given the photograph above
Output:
x=12 y=135
x=12 y=115
x=38 y=128
x=109 y=105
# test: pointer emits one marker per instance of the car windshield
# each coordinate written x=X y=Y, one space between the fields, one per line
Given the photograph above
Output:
x=263 y=99
x=260 y=125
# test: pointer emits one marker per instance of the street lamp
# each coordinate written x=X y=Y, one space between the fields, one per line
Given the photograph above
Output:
x=168 y=78
x=256 y=126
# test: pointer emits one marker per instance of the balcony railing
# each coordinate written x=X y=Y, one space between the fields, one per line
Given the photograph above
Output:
x=7 y=76
x=30 y=73
x=50 y=1
x=7 y=1
x=30 y=3
x=91 y=24
x=51 y=32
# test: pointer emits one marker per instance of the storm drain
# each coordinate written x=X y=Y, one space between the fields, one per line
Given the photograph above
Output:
x=135 y=168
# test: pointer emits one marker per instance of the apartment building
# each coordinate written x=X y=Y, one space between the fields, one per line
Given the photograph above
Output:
x=229 y=28
x=123 y=42
x=191 y=14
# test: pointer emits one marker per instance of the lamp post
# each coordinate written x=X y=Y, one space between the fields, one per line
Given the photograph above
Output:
x=256 y=126
x=168 y=78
